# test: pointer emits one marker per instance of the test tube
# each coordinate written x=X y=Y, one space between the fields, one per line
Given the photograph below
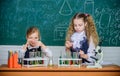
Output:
x=68 y=56
x=39 y=53
x=35 y=54
x=75 y=56
x=31 y=55
x=19 y=57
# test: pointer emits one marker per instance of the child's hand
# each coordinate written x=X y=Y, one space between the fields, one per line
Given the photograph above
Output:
x=68 y=44
x=81 y=52
x=83 y=55
x=26 y=45
x=38 y=43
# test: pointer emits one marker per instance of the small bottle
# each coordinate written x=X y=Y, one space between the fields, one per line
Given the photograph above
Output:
x=50 y=62
x=10 y=59
x=15 y=59
x=60 y=61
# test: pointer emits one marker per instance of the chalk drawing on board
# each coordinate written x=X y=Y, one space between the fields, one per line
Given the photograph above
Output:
x=57 y=2
x=114 y=40
x=59 y=33
x=105 y=20
x=117 y=15
x=97 y=16
x=114 y=36
x=89 y=7
x=65 y=9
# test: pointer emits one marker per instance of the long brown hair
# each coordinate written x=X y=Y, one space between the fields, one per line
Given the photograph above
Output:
x=90 y=28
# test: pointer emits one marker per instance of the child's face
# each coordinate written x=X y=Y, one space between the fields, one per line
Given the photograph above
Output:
x=33 y=39
x=79 y=25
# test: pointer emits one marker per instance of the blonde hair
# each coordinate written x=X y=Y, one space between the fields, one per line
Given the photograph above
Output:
x=90 y=28
x=32 y=30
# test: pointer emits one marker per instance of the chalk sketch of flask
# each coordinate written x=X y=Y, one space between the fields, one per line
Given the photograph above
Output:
x=89 y=7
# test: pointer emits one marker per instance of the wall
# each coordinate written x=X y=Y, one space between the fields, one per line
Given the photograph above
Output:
x=111 y=54
x=54 y=16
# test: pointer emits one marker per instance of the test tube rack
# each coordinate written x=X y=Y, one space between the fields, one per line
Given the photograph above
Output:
x=69 y=62
x=35 y=62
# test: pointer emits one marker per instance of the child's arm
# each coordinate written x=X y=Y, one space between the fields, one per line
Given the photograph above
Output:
x=91 y=51
x=83 y=55
x=68 y=45
x=25 y=46
x=45 y=49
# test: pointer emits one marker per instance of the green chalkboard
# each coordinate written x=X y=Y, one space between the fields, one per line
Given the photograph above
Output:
x=52 y=17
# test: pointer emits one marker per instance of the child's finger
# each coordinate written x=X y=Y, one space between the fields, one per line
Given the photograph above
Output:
x=81 y=52
x=27 y=43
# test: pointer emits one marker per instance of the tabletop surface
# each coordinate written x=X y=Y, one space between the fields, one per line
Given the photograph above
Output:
x=105 y=68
